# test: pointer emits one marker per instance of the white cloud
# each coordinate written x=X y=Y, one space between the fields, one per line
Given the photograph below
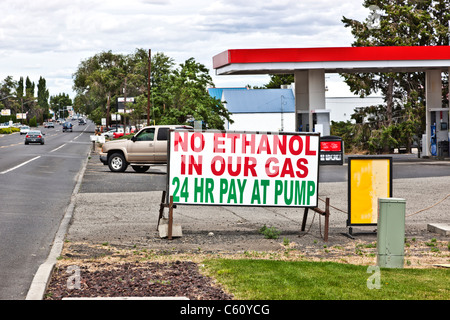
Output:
x=50 y=38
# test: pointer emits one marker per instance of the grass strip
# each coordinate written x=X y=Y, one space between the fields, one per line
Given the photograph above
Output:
x=304 y=280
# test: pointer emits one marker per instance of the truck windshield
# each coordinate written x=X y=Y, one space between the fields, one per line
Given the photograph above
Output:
x=146 y=135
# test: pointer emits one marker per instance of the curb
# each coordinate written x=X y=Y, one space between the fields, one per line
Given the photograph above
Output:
x=44 y=272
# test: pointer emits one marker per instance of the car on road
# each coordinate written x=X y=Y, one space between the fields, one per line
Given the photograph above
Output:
x=24 y=129
x=109 y=133
x=118 y=134
x=49 y=124
x=34 y=136
x=67 y=126
x=147 y=147
x=81 y=121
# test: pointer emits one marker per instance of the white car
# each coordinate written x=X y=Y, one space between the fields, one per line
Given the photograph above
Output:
x=24 y=129
x=109 y=134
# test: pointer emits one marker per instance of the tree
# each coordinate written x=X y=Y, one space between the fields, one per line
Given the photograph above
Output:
x=7 y=92
x=398 y=23
x=59 y=104
x=190 y=100
x=162 y=69
x=277 y=80
x=177 y=95
x=29 y=88
x=42 y=97
x=19 y=90
x=98 y=79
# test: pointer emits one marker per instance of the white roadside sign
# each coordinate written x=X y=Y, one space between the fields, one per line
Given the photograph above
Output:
x=243 y=168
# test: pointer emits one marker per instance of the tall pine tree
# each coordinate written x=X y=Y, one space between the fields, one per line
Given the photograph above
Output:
x=398 y=23
x=42 y=97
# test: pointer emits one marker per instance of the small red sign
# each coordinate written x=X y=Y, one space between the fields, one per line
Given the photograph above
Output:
x=330 y=146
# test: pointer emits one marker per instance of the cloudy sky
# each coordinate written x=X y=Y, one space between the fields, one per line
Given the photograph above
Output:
x=49 y=38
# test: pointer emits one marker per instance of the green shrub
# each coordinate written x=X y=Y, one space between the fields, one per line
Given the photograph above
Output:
x=269 y=233
x=9 y=130
x=33 y=122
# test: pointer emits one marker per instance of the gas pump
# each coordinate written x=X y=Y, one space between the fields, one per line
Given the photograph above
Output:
x=439 y=139
x=433 y=146
x=303 y=121
x=320 y=119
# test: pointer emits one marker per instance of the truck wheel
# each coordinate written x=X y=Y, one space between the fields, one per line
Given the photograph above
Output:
x=140 y=168
x=117 y=163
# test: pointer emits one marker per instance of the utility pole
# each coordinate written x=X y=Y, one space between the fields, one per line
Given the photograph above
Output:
x=148 y=85
x=124 y=106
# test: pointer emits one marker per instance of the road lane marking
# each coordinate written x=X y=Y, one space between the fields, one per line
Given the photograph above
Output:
x=58 y=147
x=11 y=145
x=20 y=165
x=80 y=133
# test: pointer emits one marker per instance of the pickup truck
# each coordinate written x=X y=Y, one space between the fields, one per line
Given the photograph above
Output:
x=147 y=147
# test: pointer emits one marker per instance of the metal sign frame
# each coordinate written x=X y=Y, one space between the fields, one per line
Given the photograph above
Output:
x=369 y=178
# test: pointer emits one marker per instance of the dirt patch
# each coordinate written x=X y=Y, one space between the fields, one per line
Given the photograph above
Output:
x=106 y=270
x=133 y=279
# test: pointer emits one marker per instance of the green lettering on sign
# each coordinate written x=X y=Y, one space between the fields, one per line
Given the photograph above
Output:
x=181 y=188
x=209 y=187
x=255 y=194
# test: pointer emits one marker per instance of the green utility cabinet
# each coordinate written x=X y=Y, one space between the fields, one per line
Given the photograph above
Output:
x=391 y=232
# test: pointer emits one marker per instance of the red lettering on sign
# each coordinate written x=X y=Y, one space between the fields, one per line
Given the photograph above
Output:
x=308 y=151
x=197 y=135
x=278 y=145
x=233 y=137
x=180 y=141
x=274 y=172
x=191 y=164
x=247 y=169
x=218 y=144
x=303 y=169
x=250 y=143
x=221 y=170
x=230 y=166
x=330 y=146
x=296 y=148
x=264 y=145
x=287 y=169
x=249 y=165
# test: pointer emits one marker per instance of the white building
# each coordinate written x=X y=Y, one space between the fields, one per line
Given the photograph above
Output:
x=274 y=109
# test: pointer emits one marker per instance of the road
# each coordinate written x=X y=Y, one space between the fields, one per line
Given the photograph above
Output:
x=37 y=181
x=36 y=184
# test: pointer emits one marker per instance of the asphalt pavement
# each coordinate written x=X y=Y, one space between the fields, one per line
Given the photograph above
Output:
x=122 y=209
x=36 y=184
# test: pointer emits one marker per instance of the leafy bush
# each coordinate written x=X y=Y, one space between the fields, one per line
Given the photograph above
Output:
x=33 y=122
x=9 y=130
x=269 y=233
